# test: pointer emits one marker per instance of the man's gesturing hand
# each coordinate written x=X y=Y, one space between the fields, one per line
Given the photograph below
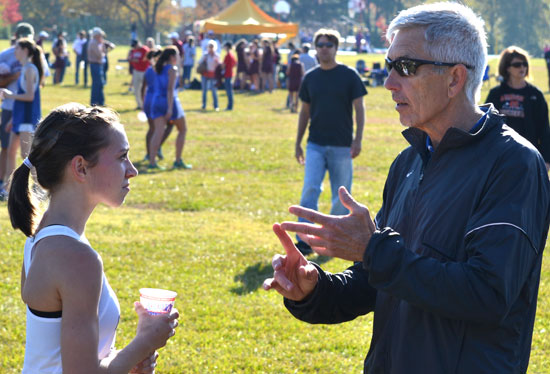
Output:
x=345 y=237
x=293 y=276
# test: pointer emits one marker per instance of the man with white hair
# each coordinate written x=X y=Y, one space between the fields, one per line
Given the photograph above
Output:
x=452 y=262
x=96 y=56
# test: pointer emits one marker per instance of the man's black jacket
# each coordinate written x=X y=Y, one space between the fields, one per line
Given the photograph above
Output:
x=453 y=273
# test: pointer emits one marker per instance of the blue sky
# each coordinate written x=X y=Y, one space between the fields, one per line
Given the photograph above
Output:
x=191 y=3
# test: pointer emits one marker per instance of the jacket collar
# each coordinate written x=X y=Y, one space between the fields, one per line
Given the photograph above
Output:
x=454 y=137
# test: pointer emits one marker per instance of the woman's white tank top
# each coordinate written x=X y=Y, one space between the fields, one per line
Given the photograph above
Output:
x=43 y=343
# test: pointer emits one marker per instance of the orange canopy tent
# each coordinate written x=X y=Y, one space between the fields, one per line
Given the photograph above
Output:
x=245 y=17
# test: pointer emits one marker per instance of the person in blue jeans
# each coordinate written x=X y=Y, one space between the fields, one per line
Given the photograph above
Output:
x=329 y=93
x=96 y=54
x=229 y=63
x=209 y=76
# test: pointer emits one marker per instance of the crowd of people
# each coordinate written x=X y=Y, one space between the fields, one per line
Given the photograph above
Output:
x=450 y=265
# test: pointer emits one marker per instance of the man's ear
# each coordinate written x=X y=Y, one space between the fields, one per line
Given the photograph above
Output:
x=79 y=168
x=458 y=75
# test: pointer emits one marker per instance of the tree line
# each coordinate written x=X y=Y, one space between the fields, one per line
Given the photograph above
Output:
x=508 y=22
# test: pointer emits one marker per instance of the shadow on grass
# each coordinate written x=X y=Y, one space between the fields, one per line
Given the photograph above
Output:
x=254 y=275
x=280 y=110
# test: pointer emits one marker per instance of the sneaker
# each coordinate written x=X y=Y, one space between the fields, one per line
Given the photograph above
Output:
x=304 y=248
x=146 y=158
x=181 y=165
x=155 y=167
x=159 y=154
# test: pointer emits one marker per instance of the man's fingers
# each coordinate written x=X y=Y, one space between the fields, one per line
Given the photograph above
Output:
x=286 y=241
x=309 y=272
x=271 y=283
x=347 y=200
x=302 y=228
x=309 y=214
x=278 y=261
x=282 y=280
x=314 y=241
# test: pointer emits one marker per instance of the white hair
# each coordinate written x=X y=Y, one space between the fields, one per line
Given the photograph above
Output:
x=453 y=33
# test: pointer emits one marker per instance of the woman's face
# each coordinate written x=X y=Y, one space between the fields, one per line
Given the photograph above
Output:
x=110 y=177
x=21 y=54
x=517 y=69
x=173 y=60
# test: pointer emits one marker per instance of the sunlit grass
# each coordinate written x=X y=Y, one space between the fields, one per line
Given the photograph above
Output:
x=206 y=233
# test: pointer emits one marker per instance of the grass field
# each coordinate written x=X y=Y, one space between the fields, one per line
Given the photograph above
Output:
x=206 y=233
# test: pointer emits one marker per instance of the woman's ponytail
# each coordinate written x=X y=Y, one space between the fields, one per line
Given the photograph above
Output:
x=20 y=207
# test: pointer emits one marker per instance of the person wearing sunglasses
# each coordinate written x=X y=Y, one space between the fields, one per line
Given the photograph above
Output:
x=330 y=92
x=522 y=103
x=451 y=264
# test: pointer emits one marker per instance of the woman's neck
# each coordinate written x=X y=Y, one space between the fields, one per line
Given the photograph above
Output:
x=516 y=83
x=67 y=209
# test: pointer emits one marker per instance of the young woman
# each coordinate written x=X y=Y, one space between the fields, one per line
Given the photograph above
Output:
x=189 y=52
x=147 y=92
x=242 y=64
x=59 y=49
x=81 y=158
x=166 y=107
x=294 y=73
x=254 y=66
x=522 y=103
x=267 y=66
x=26 y=107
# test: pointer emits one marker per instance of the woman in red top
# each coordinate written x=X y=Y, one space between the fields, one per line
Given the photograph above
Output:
x=229 y=63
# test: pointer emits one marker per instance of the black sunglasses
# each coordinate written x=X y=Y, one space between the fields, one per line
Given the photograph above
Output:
x=406 y=67
x=519 y=64
x=325 y=44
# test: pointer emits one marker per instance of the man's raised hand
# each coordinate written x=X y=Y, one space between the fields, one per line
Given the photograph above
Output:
x=293 y=276
x=345 y=237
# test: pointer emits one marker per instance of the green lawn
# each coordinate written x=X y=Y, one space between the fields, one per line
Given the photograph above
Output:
x=206 y=233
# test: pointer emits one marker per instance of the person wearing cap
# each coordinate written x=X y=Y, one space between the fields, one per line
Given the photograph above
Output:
x=189 y=53
x=175 y=37
x=96 y=56
x=78 y=45
x=43 y=35
x=210 y=37
x=9 y=81
x=139 y=62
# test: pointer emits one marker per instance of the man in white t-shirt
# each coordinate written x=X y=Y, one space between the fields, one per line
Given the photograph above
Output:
x=77 y=48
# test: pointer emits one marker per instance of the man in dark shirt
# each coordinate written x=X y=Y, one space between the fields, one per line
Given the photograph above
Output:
x=451 y=264
x=329 y=94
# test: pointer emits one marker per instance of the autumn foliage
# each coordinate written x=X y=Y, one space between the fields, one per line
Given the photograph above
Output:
x=10 y=11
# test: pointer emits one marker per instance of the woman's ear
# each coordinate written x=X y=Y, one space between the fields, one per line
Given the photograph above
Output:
x=79 y=168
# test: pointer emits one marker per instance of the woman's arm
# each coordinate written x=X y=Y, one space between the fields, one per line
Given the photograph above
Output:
x=172 y=75
x=30 y=77
x=79 y=288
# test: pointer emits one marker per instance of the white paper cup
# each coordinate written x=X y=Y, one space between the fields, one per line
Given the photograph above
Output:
x=142 y=117
x=156 y=300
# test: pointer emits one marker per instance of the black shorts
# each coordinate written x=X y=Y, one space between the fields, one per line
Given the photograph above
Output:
x=5 y=136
